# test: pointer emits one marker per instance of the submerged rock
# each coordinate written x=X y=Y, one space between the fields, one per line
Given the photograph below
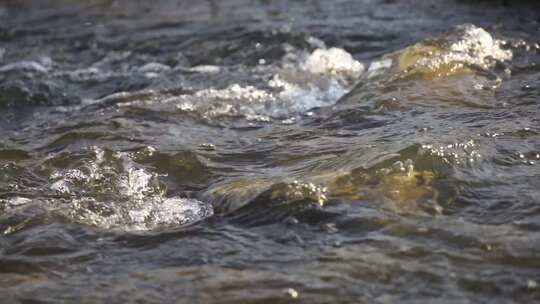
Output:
x=407 y=181
x=401 y=186
x=463 y=49
x=461 y=67
x=406 y=189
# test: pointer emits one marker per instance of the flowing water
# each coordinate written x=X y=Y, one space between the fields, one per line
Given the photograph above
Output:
x=269 y=151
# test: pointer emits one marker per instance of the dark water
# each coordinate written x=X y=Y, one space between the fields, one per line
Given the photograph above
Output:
x=269 y=151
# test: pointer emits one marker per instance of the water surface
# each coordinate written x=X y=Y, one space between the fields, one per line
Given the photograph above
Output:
x=269 y=151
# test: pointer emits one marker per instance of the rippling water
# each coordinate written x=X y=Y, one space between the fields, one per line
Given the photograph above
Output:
x=269 y=151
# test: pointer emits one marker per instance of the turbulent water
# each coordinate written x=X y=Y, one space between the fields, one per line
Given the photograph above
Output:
x=269 y=151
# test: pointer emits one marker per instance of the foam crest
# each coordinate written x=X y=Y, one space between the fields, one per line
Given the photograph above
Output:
x=311 y=80
x=464 y=48
x=334 y=61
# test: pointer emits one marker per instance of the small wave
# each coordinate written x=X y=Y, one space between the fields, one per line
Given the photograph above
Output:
x=310 y=81
x=261 y=201
x=30 y=66
x=24 y=84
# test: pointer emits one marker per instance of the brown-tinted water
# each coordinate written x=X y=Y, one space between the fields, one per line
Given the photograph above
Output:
x=269 y=151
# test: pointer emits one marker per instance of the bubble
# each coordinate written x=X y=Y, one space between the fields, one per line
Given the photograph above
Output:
x=455 y=153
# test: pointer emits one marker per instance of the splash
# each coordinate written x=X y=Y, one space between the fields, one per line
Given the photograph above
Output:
x=112 y=192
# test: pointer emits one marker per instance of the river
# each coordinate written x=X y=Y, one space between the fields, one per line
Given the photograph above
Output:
x=250 y=151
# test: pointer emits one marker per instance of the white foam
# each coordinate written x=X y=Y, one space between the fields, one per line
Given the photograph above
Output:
x=235 y=91
x=304 y=82
x=136 y=183
x=332 y=61
x=61 y=186
x=167 y=212
x=379 y=66
x=154 y=67
x=476 y=45
x=177 y=211
x=300 y=99
x=206 y=69
x=86 y=74
x=235 y=100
